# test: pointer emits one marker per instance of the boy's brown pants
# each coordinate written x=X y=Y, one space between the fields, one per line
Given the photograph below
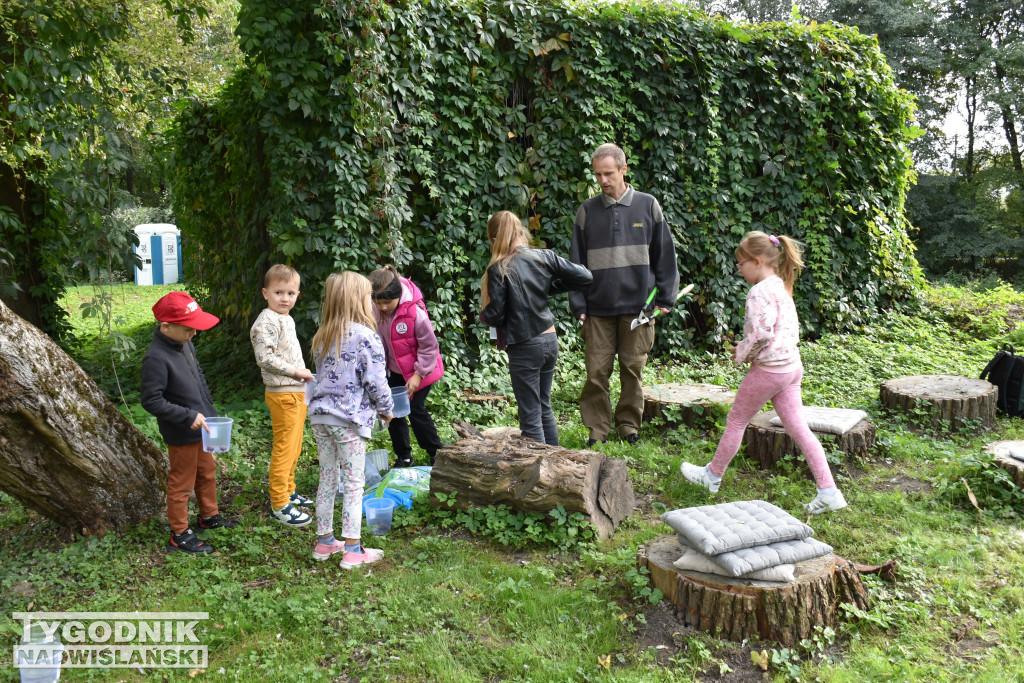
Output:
x=191 y=468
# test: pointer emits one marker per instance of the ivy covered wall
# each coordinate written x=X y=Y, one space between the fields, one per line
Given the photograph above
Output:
x=365 y=133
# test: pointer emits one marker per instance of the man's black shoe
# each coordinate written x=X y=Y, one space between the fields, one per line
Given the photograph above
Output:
x=188 y=542
x=594 y=442
x=633 y=439
x=215 y=522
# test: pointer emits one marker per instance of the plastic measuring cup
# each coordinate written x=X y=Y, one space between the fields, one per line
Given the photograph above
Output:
x=38 y=657
x=378 y=515
x=401 y=398
x=379 y=458
x=218 y=439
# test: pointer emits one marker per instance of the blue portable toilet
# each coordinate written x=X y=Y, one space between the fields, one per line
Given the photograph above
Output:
x=159 y=250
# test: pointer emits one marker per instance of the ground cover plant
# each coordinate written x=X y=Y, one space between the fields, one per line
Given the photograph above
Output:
x=494 y=595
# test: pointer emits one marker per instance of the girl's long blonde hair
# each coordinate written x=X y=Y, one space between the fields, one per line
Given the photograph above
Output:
x=506 y=233
x=346 y=301
x=781 y=252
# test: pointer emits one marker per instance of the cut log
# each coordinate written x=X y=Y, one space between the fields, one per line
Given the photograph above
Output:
x=690 y=404
x=738 y=609
x=532 y=477
x=768 y=444
x=950 y=400
x=65 y=450
x=1000 y=451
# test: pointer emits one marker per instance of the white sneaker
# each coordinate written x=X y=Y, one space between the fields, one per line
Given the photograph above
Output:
x=699 y=476
x=290 y=515
x=822 y=503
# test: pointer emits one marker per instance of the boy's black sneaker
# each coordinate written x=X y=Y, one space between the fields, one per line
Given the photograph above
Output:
x=188 y=542
x=215 y=522
x=404 y=462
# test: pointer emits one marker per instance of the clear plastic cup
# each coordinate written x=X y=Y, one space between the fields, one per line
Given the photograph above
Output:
x=378 y=515
x=218 y=439
x=401 y=398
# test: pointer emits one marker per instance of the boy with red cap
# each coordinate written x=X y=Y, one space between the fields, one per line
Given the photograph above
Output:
x=174 y=390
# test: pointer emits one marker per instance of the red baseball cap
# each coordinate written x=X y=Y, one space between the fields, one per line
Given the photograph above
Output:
x=182 y=309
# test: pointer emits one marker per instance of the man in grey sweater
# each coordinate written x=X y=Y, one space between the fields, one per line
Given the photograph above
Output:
x=622 y=237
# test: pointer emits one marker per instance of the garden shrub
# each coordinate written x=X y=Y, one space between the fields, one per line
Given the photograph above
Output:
x=364 y=133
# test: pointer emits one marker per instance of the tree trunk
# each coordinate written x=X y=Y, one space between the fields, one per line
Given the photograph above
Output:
x=971 y=104
x=768 y=444
x=65 y=450
x=533 y=477
x=1009 y=121
x=689 y=404
x=942 y=402
x=738 y=609
x=1000 y=451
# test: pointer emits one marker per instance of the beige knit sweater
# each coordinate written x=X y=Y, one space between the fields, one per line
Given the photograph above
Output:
x=277 y=351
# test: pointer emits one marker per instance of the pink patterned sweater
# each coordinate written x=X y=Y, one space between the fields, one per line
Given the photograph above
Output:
x=771 y=329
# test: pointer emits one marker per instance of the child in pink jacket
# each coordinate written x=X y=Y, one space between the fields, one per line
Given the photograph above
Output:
x=770 y=335
x=413 y=358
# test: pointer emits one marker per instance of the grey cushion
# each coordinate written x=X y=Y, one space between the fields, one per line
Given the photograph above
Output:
x=716 y=529
x=828 y=420
x=1017 y=453
x=747 y=560
x=695 y=560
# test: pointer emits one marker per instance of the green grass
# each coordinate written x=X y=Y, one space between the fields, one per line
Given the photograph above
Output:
x=446 y=604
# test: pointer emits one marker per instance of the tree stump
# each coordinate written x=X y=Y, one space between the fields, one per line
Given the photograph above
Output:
x=533 y=477
x=689 y=404
x=65 y=450
x=737 y=609
x=768 y=444
x=1000 y=451
x=951 y=398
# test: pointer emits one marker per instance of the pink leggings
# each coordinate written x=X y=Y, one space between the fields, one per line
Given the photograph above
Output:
x=783 y=390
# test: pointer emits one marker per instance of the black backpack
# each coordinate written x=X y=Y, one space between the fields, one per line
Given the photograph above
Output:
x=1006 y=371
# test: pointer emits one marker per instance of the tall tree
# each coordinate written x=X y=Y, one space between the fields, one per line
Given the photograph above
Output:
x=985 y=59
x=70 y=97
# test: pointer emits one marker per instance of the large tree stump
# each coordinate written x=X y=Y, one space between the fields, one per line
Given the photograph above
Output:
x=737 y=609
x=694 y=404
x=952 y=399
x=768 y=444
x=531 y=476
x=1000 y=451
x=65 y=450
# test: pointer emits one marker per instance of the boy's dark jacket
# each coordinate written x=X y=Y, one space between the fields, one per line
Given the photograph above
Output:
x=174 y=389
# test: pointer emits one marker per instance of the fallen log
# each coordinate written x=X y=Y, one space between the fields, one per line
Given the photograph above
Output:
x=768 y=444
x=65 y=450
x=935 y=401
x=532 y=477
x=738 y=609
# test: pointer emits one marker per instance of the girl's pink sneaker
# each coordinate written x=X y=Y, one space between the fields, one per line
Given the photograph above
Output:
x=323 y=551
x=353 y=560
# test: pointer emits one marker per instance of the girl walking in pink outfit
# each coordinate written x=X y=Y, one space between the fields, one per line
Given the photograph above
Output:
x=771 y=331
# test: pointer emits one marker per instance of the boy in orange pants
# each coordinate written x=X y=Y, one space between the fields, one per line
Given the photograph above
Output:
x=285 y=375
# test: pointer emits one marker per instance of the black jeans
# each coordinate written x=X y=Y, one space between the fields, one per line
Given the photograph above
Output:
x=422 y=424
x=532 y=366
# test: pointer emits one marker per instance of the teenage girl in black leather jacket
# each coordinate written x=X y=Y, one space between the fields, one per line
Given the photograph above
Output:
x=514 y=298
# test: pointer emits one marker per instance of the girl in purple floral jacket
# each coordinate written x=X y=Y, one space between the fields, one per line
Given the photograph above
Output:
x=351 y=390
x=770 y=334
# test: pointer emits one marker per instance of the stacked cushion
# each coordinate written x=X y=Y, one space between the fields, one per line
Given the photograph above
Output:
x=743 y=537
